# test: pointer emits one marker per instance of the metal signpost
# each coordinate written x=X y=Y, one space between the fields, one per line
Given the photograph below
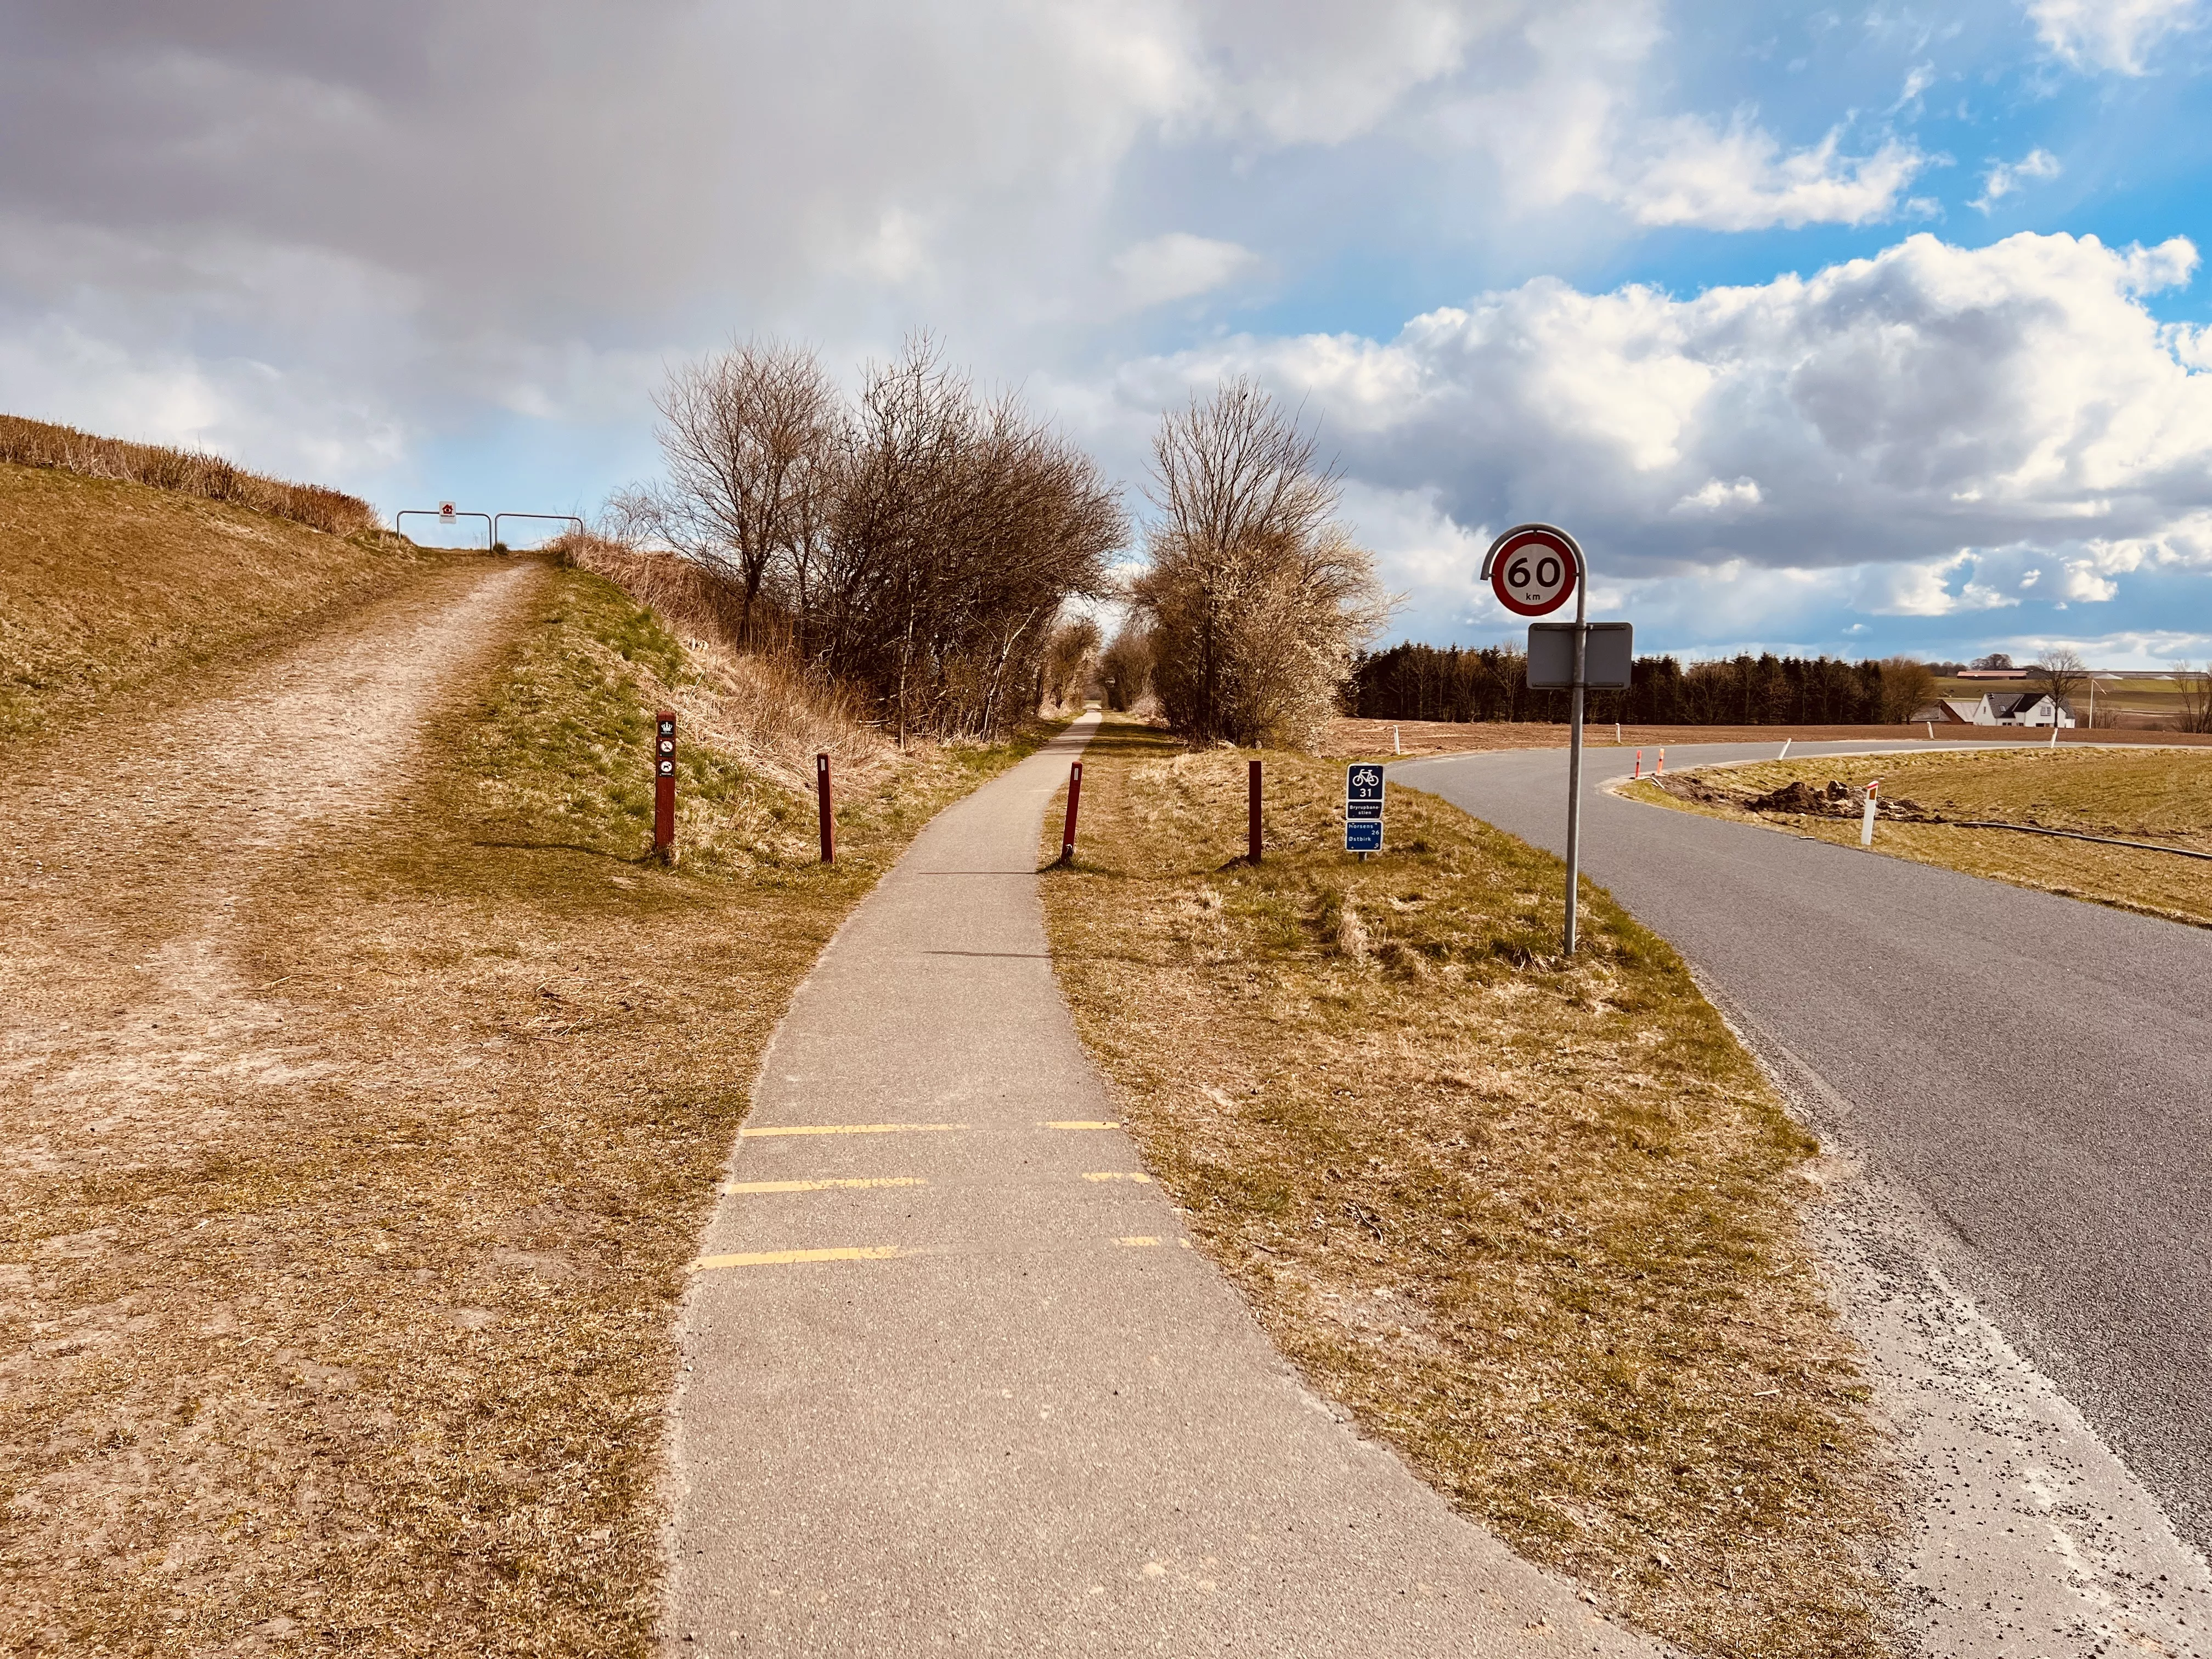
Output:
x=446 y=515
x=1532 y=568
x=1362 y=808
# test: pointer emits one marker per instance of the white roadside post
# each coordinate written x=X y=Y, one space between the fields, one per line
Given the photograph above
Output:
x=1866 y=817
x=1532 y=568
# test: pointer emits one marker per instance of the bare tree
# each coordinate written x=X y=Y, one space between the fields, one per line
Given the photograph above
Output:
x=1071 y=652
x=747 y=436
x=960 y=528
x=1126 y=668
x=1256 y=598
x=2196 y=685
x=1906 y=685
x=914 y=545
x=2062 y=673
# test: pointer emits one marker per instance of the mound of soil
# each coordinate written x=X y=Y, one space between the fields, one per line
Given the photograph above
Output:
x=1801 y=797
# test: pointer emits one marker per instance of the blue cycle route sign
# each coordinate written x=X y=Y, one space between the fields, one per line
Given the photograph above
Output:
x=1362 y=808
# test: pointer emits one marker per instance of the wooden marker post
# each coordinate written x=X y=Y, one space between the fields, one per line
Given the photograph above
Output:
x=821 y=811
x=1252 y=812
x=664 y=785
x=1074 y=796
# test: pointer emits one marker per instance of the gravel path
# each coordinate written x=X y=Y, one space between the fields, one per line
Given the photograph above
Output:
x=954 y=1382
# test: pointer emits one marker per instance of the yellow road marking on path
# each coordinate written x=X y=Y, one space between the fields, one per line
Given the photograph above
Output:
x=1116 y=1175
x=1137 y=1244
x=852 y=1129
x=820 y=1186
x=1077 y=1123
x=784 y=1258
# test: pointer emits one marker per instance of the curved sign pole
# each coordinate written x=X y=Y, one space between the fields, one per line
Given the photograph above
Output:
x=564 y=517
x=1532 y=568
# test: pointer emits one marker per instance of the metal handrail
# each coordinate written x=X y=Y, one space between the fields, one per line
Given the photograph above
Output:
x=564 y=517
x=490 y=536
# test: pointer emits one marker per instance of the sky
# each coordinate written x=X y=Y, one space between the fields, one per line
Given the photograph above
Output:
x=1858 y=330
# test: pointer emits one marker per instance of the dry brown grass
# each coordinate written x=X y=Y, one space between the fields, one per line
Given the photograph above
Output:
x=759 y=706
x=108 y=588
x=2160 y=795
x=1363 y=738
x=189 y=472
x=356 y=1336
x=1536 y=1225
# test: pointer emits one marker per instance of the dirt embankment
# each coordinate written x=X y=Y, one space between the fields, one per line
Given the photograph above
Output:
x=362 y=1088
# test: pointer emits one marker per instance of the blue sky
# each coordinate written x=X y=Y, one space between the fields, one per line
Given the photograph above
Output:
x=1792 y=313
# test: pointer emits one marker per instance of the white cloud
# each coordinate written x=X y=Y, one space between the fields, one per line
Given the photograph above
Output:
x=2003 y=179
x=1689 y=173
x=1713 y=495
x=1179 y=266
x=2111 y=34
x=1951 y=417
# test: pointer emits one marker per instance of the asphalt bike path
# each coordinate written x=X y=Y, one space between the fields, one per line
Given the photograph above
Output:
x=2032 y=1068
x=955 y=1381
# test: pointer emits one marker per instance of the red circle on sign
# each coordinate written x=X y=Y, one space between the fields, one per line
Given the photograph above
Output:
x=1533 y=569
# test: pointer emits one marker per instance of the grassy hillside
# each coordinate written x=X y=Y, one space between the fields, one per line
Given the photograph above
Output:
x=343 y=1314
x=108 y=587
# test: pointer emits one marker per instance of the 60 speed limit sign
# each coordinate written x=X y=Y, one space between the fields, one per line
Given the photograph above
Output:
x=1533 y=568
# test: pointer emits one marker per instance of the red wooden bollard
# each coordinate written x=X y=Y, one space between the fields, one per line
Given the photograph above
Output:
x=663 y=786
x=822 y=809
x=1252 y=812
x=1074 y=795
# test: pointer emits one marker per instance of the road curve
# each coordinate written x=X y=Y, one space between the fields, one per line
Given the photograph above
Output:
x=2033 y=1067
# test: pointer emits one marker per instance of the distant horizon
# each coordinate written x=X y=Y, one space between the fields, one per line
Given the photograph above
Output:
x=1827 y=332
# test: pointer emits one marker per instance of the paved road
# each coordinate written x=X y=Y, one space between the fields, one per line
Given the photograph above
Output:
x=2037 y=1069
x=1005 y=1411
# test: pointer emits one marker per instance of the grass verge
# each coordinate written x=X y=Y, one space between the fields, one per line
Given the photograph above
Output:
x=1535 y=1223
x=375 y=1360
x=2162 y=796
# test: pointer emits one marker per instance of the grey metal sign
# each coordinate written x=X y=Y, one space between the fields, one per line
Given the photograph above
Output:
x=1608 y=656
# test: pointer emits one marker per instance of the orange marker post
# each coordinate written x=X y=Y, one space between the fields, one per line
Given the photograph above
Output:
x=1074 y=796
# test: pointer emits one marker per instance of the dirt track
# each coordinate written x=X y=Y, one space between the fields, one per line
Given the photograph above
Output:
x=126 y=861
x=135 y=1038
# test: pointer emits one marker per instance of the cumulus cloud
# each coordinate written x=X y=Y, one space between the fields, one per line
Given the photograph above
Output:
x=2117 y=35
x=1954 y=417
x=1687 y=171
x=2005 y=178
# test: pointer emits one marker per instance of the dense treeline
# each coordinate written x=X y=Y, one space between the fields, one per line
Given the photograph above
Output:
x=1414 y=682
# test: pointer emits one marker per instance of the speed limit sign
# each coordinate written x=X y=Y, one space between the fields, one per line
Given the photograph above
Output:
x=1533 y=568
